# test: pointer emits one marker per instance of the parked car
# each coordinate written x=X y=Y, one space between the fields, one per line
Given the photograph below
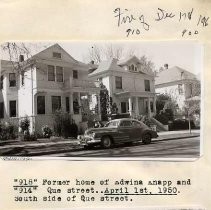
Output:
x=117 y=132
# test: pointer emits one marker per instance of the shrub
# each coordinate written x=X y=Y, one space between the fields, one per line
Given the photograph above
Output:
x=64 y=125
x=46 y=131
x=24 y=125
x=8 y=131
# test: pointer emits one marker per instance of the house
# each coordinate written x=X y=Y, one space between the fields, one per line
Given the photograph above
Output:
x=129 y=84
x=49 y=81
x=178 y=83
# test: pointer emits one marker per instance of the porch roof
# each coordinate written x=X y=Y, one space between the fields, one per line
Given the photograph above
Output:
x=135 y=94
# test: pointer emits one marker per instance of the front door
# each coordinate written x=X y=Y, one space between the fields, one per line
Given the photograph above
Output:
x=123 y=107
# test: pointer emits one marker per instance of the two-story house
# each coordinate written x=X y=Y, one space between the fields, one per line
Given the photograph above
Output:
x=51 y=80
x=180 y=84
x=129 y=84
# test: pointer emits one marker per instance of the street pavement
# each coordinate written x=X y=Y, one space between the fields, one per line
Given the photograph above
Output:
x=177 y=148
x=71 y=147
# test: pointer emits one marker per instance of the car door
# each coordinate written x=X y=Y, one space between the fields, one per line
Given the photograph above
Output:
x=124 y=131
x=136 y=131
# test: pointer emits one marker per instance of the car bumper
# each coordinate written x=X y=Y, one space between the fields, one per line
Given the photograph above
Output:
x=87 y=140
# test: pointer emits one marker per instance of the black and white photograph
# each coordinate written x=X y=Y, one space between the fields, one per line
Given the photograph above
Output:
x=86 y=99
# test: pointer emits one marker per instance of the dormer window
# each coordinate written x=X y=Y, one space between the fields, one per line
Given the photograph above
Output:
x=132 y=67
x=57 y=55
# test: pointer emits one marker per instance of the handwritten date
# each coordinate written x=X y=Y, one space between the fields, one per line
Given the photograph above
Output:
x=137 y=23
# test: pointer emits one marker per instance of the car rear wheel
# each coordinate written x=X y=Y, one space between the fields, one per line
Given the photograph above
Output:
x=106 y=142
x=146 y=138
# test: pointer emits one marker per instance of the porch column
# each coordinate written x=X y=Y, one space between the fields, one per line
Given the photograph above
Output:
x=98 y=105
x=71 y=103
x=137 y=107
x=130 y=105
x=79 y=102
x=149 y=109
x=154 y=105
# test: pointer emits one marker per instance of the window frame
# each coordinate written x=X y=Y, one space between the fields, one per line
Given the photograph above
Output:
x=61 y=74
x=75 y=71
x=116 y=82
x=147 y=85
x=67 y=104
x=11 y=110
x=57 y=53
x=53 y=73
x=60 y=101
x=44 y=105
x=12 y=86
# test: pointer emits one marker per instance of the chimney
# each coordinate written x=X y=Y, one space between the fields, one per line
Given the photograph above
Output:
x=166 y=66
x=21 y=58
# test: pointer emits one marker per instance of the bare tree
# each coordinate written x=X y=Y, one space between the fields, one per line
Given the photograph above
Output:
x=111 y=52
x=98 y=53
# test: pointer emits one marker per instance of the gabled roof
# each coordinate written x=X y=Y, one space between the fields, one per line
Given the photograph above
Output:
x=126 y=60
x=60 y=48
x=105 y=66
x=172 y=75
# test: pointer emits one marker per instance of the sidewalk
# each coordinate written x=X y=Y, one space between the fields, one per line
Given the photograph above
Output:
x=173 y=135
x=46 y=146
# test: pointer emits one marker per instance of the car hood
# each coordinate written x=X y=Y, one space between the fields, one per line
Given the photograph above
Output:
x=100 y=130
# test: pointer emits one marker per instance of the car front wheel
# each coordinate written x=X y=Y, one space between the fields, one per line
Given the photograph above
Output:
x=106 y=142
x=146 y=138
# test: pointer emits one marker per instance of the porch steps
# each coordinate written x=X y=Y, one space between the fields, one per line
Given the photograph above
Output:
x=159 y=125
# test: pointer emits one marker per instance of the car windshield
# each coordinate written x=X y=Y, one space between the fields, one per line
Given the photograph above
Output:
x=112 y=123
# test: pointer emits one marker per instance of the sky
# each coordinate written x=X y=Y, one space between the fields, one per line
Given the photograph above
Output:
x=185 y=54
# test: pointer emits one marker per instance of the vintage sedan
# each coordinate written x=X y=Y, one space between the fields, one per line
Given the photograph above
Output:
x=118 y=131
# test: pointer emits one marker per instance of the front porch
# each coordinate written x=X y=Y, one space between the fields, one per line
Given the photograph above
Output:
x=136 y=103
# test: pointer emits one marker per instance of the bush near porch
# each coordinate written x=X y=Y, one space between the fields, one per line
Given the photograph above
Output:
x=8 y=131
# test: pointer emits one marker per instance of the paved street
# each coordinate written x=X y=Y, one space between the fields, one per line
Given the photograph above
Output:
x=178 y=148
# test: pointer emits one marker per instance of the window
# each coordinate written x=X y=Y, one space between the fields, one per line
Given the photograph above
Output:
x=57 y=55
x=123 y=107
x=118 y=81
x=59 y=74
x=147 y=85
x=1 y=82
x=113 y=123
x=12 y=80
x=40 y=104
x=67 y=104
x=12 y=105
x=51 y=73
x=132 y=67
x=136 y=124
x=125 y=123
x=75 y=74
x=22 y=78
x=76 y=107
x=1 y=110
x=56 y=103
x=180 y=89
